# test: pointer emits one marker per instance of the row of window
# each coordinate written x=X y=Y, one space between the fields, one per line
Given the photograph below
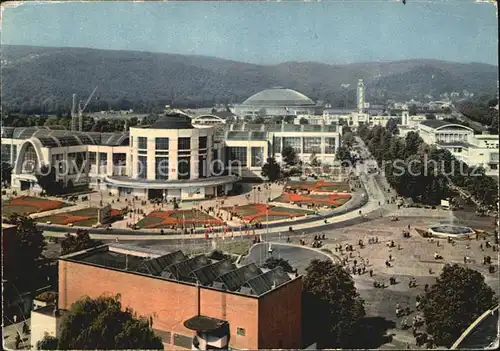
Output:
x=162 y=144
x=237 y=156
x=162 y=168
x=309 y=145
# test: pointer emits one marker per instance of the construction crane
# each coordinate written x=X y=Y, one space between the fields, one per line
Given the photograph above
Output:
x=78 y=117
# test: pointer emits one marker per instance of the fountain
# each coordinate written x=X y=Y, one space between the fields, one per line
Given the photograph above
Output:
x=451 y=231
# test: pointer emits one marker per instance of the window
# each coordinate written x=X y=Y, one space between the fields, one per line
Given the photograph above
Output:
x=142 y=167
x=201 y=167
x=184 y=168
x=161 y=144
x=92 y=158
x=329 y=145
x=240 y=331
x=184 y=144
x=312 y=145
x=14 y=153
x=161 y=168
x=182 y=341
x=277 y=145
x=493 y=166
x=257 y=156
x=142 y=143
x=237 y=156
x=119 y=159
x=5 y=153
x=202 y=142
x=293 y=142
x=103 y=158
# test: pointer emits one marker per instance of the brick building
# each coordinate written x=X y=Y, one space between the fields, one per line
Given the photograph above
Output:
x=194 y=302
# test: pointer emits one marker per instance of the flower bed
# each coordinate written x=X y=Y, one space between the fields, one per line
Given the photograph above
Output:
x=27 y=205
x=86 y=217
x=175 y=218
x=258 y=213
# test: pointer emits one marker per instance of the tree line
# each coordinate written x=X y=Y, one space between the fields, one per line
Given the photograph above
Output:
x=425 y=173
x=481 y=110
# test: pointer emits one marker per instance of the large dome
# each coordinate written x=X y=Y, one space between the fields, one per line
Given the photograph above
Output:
x=279 y=97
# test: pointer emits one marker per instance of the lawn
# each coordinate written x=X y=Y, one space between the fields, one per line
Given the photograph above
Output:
x=336 y=200
x=169 y=219
x=259 y=213
x=27 y=205
x=86 y=217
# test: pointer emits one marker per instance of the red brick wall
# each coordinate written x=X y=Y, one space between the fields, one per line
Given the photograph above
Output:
x=280 y=317
x=169 y=303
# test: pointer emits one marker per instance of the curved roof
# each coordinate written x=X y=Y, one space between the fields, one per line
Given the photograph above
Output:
x=173 y=121
x=279 y=97
x=438 y=124
x=60 y=137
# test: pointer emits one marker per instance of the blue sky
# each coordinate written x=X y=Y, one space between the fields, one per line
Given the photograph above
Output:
x=266 y=32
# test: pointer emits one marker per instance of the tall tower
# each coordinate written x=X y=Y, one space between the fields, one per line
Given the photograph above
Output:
x=73 y=114
x=361 y=96
x=405 y=116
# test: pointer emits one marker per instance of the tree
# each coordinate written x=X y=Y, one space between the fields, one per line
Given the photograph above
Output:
x=289 y=155
x=392 y=126
x=347 y=139
x=273 y=262
x=458 y=298
x=271 y=169
x=47 y=343
x=101 y=324
x=22 y=252
x=80 y=241
x=303 y=121
x=6 y=173
x=332 y=306
x=344 y=156
x=313 y=160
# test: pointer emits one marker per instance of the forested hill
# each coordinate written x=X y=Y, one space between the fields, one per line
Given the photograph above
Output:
x=42 y=76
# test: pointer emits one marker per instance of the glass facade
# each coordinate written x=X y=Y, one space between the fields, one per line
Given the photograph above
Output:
x=161 y=168
x=103 y=158
x=236 y=156
x=161 y=144
x=184 y=168
x=312 y=145
x=142 y=167
x=142 y=143
x=257 y=156
x=329 y=145
x=293 y=142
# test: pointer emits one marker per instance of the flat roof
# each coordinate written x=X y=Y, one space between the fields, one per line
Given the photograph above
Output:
x=221 y=275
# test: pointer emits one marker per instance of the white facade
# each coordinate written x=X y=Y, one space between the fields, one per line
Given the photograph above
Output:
x=461 y=141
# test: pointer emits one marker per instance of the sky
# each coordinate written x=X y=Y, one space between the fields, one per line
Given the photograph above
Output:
x=337 y=31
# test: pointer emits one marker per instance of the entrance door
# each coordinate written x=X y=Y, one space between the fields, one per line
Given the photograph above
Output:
x=156 y=194
x=25 y=185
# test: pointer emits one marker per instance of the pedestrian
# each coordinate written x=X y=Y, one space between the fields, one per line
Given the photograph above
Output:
x=465 y=259
x=18 y=340
x=371 y=272
x=481 y=247
x=390 y=257
x=408 y=227
x=359 y=271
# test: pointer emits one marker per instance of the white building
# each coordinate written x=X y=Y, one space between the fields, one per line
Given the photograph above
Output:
x=461 y=141
x=169 y=159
